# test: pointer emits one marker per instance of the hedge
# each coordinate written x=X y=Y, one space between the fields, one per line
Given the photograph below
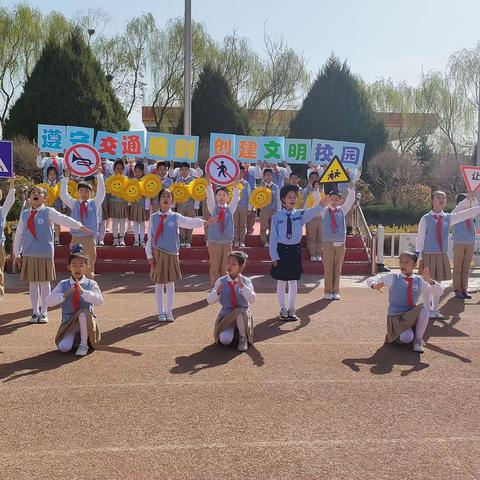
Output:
x=389 y=216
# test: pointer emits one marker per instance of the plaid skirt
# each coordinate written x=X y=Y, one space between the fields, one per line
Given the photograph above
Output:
x=94 y=334
x=397 y=324
x=137 y=213
x=167 y=267
x=36 y=269
x=439 y=265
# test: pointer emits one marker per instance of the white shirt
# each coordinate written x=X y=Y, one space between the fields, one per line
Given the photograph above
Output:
x=456 y=216
x=182 y=222
x=279 y=201
x=53 y=217
x=425 y=288
x=211 y=200
x=70 y=201
x=7 y=204
x=194 y=172
x=93 y=296
x=248 y=293
x=258 y=173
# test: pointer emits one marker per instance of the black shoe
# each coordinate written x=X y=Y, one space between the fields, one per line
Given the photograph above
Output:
x=466 y=295
x=460 y=295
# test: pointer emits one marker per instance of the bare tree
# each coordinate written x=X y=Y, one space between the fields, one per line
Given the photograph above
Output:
x=92 y=22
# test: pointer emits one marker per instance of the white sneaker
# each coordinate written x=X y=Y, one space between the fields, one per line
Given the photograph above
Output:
x=242 y=245
x=236 y=245
x=43 y=318
x=335 y=296
x=142 y=243
x=439 y=316
x=283 y=315
x=266 y=244
x=169 y=317
x=162 y=317
x=136 y=243
x=34 y=318
x=319 y=258
x=242 y=344
x=188 y=244
x=101 y=244
x=328 y=296
x=116 y=242
x=418 y=345
x=122 y=241
x=432 y=315
x=313 y=258
x=292 y=315
x=82 y=350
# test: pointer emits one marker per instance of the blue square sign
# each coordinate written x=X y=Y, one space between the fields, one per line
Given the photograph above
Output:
x=6 y=159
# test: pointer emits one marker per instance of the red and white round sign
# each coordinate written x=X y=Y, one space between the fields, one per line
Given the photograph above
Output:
x=82 y=159
x=222 y=169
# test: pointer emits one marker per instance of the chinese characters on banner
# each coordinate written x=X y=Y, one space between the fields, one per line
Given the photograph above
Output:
x=132 y=144
x=350 y=154
x=222 y=144
x=265 y=149
x=297 y=150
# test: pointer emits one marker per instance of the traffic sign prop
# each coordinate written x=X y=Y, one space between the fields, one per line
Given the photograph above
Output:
x=82 y=159
x=471 y=175
x=222 y=169
x=6 y=159
x=335 y=173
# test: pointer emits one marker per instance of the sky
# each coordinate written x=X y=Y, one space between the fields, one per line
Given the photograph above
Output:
x=378 y=38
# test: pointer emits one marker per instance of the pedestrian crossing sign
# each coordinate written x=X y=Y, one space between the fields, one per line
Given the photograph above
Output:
x=335 y=173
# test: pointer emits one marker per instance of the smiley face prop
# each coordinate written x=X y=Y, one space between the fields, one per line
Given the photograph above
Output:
x=180 y=192
x=150 y=185
x=132 y=191
x=230 y=189
x=198 y=189
x=116 y=184
x=261 y=197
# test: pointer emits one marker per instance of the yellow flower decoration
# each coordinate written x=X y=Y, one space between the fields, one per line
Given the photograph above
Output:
x=132 y=192
x=150 y=185
x=300 y=201
x=261 y=197
x=180 y=192
x=310 y=200
x=73 y=188
x=52 y=193
x=116 y=184
x=198 y=189
x=230 y=190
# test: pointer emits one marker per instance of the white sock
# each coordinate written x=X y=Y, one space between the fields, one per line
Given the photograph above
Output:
x=115 y=227
x=241 y=326
x=122 y=226
x=422 y=323
x=141 y=230
x=434 y=300
x=281 y=292
x=82 y=321
x=102 y=228
x=292 y=293
x=159 y=288
x=170 y=287
x=33 y=288
x=44 y=293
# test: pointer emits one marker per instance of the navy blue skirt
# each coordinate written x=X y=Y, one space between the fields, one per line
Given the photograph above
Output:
x=289 y=267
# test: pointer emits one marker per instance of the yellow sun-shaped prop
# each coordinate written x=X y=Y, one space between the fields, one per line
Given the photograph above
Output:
x=300 y=200
x=230 y=190
x=310 y=199
x=261 y=197
x=198 y=189
x=52 y=193
x=132 y=193
x=180 y=192
x=116 y=184
x=150 y=185
x=73 y=188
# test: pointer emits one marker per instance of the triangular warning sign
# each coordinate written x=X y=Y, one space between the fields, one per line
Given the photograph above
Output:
x=471 y=175
x=335 y=173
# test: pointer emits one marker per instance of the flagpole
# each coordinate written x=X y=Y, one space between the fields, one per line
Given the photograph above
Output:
x=187 y=78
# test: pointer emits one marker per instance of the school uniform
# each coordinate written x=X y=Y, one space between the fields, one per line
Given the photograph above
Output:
x=279 y=174
x=129 y=170
x=267 y=213
x=403 y=308
x=313 y=228
x=155 y=202
x=432 y=240
x=47 y=162
x=4 y=210
x=87 y=214
x=285 y=237
x=240 y=216
x=250 y=178
x=187 y=209
x=220 y=234
x=106 y=172
x=139 y=211
x=235 y=308
x=464 y=234
x=34 y=240
x=334 y=237
x=72 y=307
x=163 y=244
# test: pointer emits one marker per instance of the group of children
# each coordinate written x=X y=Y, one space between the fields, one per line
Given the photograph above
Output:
x=168 y=230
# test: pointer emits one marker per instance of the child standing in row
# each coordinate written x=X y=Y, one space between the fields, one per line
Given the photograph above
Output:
x=34 y=241
x=314 y=226
x=220 y=235
x=4 y=210
x=77 y=295
x=432 y=242
x=186 y=175
x=267 y=213
x=52 y=181
x=250 y=177
x=464 y=234
x=139 y=212
x=84 y=210
x=162 y=172
x=162 y=250
x=46 y=162
x=118 y=210
x=407 y=321
x=334 y=238
x=285 y=251
x=235 y=292
x=240 y=217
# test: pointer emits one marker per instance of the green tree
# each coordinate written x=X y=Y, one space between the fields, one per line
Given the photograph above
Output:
x=214 y=107
x=426 y=156
x=67 y=87
x=337 y=108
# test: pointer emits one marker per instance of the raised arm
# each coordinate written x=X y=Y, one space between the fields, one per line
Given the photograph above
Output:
x=210 y=199
x=235 y=199
x=380 y=281
x=463 y=215
x=100 y=196
x=9 y=201
x=66 y=198
x=66 y=221
x=190 y=222
x=349 y=201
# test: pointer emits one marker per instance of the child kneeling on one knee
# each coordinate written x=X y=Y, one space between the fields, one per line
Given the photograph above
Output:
x=234 y=292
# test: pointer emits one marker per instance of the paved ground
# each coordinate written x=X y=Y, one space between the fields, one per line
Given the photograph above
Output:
x=319 y=399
